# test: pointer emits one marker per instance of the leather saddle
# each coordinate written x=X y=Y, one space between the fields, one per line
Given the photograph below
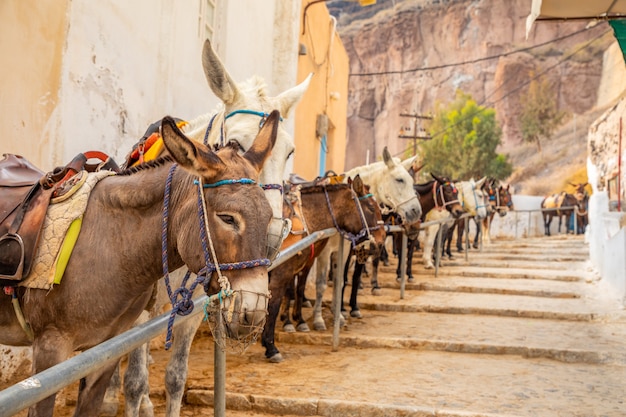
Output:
x=25 y=193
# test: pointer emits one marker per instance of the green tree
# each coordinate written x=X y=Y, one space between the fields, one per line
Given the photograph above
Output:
x=540 y=115
x=465 y=137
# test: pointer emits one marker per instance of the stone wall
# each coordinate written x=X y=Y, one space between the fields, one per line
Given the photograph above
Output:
x=417 y=35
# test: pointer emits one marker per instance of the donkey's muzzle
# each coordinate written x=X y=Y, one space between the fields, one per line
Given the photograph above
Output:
x=274 y=238
x=237 y=321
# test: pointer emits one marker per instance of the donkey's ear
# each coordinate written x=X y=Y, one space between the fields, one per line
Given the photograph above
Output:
x=219 y=80
x=357 y=185
x=388 y=159
x=190 y=155
x=288 y=99
x=480 y=182
x=438 y=179
x=410 y=163
x=264 y=141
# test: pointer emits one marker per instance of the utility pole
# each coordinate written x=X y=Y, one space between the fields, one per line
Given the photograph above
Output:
x=413 y=131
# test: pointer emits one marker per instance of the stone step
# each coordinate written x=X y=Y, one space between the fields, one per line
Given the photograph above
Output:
x=535 y=288
x=426 y=383
x=594 y=341
x=532 y=272
x=572 y=309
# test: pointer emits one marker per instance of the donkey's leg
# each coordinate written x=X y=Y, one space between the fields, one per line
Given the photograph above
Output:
x=48 y=350
x=111 y=397
x=410 y=249
x=346 y=268
x=321 y=271
x=92 y=389
x=288 y=295
x=301 y=325
x=374 y=282
x=356 y=279
x=267 y=338
x=479 y=232
x=176 y=369
x=136 y=384
x=429 y=240
x=459 y=234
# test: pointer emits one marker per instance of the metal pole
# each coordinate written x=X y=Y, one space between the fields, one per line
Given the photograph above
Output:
x=42 y=385
x=219 y=369
x=403 y=256
x=337 y=300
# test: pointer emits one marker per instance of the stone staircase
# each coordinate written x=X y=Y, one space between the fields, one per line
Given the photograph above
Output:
x=522 y=328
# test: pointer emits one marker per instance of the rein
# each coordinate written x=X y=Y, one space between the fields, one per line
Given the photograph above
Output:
x=365 y=230
x=181 y=301
x=438 y=192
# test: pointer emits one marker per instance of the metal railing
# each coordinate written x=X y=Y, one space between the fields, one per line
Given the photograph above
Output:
x=40 y=386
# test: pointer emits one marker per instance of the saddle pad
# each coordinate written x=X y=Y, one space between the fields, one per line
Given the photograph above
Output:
x=58 y=219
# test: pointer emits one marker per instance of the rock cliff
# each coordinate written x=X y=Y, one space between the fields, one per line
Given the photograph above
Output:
x=407 y=56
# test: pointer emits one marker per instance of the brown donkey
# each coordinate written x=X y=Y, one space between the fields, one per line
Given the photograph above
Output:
x=118 y=255
x=347 y=207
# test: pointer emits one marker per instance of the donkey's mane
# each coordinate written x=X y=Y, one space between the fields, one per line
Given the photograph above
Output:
x=426 y=186
x=148 y=165
x=364 y=170
x=320 y=188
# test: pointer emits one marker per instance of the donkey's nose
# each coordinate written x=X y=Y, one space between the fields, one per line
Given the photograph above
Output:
x=416 y=213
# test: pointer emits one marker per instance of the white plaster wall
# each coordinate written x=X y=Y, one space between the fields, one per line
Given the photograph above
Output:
x=128 y=64
x=525 y=221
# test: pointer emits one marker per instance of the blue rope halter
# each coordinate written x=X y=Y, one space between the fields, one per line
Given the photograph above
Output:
x=263 y=116
x=181 y=298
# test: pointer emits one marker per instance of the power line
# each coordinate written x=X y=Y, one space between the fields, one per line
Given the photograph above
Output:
x=483 y=103
x=474 y=61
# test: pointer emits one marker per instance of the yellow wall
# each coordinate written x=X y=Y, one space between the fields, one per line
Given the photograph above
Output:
x=327 y=94
x=32 y=36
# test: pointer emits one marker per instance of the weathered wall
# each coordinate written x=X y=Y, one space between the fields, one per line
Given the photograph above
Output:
x=421 y=34
x=32 y=36
x=81 y=75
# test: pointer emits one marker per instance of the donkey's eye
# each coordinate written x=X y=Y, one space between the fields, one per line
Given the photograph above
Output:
x=400 y=180
x=228 y=219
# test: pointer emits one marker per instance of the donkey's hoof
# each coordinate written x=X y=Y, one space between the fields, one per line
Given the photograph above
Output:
x=411 y=279
x=319 y=325
x=356 y=314
x=307 y=304
x=146 y=409
x=429 y=265
x=377 y=291
x=289 y=328
x=109 y=408
x=303 y=327
x=277 y=358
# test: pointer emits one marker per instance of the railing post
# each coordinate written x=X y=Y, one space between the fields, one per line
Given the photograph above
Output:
x=219 y=368
x=337 y=300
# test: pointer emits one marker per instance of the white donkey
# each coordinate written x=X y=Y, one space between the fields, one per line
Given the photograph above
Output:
x=244 y=107
x=392 y=186
x=472 y=200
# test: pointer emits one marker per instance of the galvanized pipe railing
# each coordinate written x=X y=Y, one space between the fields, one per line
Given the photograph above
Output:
x=40 y=386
